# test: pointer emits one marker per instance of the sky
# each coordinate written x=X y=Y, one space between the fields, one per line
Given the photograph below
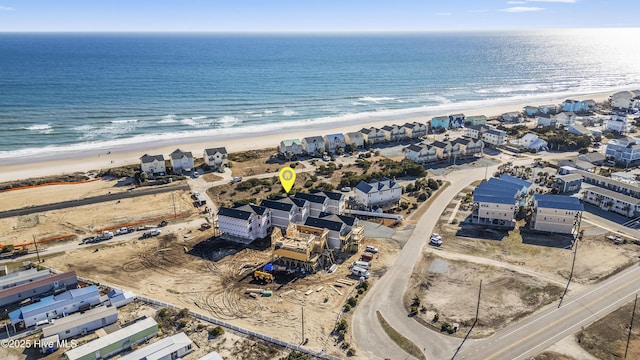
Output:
x=310 y=15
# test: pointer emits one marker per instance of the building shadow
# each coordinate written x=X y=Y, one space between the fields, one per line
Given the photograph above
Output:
x=540 y=238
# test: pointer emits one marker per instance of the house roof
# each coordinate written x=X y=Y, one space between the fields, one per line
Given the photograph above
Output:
x=179 y=154
x=291 y=142
x=494 y=199
x=496 y=132
x=330 y=194
x=334 y=136
x=515 y=180
x=387 y=128
x=495 y=191
x=161 y=348
x=479 y=128
x=476 y=117
x=459 y=115
x=112 y=338
x=558 y=202
x=276 y=205
x=593 y=157
x=440 y=118
x=324 y=223
x=146 y=158
x=234 y=213
x=364 y=187
x=347 y=220
x=53 y=302
x=410 y=125
x=23 y=276
x=462 y=141
x=415 y=147
x=494 y=183
x=213 y=151
x=365 y=131
x=440 y=144
x=259 y=210
x=38 y=283
x=529 y=107
x=615 y=195
x=313 y=198
x=211 y=356
x=569 y=177
x=312 y=139
x=78 y=319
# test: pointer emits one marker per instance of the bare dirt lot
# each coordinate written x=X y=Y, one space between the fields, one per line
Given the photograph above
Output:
x=449 y=288
x=85 y=220
x=607 y=338
x=211 y=278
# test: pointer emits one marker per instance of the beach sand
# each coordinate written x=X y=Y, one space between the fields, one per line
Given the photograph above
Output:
x=57 y=163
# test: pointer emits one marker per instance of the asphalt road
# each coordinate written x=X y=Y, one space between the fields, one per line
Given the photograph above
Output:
x=92 y=200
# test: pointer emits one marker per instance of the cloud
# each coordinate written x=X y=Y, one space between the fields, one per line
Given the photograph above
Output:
x=519 y=9
x=444 y=14
x=5 y=8
x=516 y=2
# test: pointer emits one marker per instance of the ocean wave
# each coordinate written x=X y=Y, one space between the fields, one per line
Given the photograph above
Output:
x=124 y=121
x=289 y=112
x=268 y=111
x=167 y=119
x=228 y=120
x=197 y=121
x=40 y=128
x=376 y=99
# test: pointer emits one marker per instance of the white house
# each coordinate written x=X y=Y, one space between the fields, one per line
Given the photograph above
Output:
x=565 y=118
x=285 y=210
x=468 y=146
x=545 y=120
x=621 y=123
x=318 y=203
x=82 y=323
x=531 y=141
x=495 y=203
x=474 y=132
x=373 y=135
x=556 y=213
x=624 y=99
x=335 y=201
x=376 y=193
x=291 y=147
x=169 y=348
x=394 y=133
x=578 y=129
x=313 y=145
x=216 y=158
x=153 y=164
x=494 y=137
x=21 y=277
x=421 y=154
x=415 y=130
x=181 y=160
x=611 y=201
x=356 y=139
x=334 y=142
x=244 y=223
x=444 y=149
x=548 y=109
x=512 y=116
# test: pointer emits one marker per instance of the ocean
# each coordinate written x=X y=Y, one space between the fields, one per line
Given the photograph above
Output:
x=61 y=92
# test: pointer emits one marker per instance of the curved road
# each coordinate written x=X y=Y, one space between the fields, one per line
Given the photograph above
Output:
x=518 y=341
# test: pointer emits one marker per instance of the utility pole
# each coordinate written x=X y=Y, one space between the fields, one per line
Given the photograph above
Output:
x=35 y=242
x=472 y=325
x=633 y=313
x=478 y=307
x=302 y=325
x=575 y=252
x=175 y=214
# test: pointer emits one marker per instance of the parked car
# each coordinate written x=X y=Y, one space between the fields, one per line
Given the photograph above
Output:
x=88 y=240
x=436 y=236
x=205 y=226
x=435 y=242
x=345 y=189
x=163 y=223
x=358 y=271
x=236 y=179
x=371 y=249
x=145 y=235
x=122 y=231
x=155 y=232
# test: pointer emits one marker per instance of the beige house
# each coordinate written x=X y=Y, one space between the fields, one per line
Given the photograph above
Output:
x=153 y=164
x=356 y=139
x=216 y=158
x=556 y=213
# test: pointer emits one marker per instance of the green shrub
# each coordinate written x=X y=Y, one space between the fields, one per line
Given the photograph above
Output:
x=216 y=331
x=352 y=301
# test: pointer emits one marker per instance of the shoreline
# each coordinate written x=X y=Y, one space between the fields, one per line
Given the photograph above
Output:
x=65 y=162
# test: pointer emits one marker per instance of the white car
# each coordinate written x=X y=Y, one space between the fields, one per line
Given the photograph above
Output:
x=236 y=179
x=155 y=232
x=435 y=242
x=436 y=236
x=372 y=249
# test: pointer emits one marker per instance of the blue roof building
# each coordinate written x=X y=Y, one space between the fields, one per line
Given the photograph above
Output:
x=556 y=213
x=496 y=202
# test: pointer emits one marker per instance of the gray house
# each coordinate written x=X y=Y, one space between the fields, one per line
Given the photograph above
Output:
x=38 y=288
x=22 y=277
x=82 y=323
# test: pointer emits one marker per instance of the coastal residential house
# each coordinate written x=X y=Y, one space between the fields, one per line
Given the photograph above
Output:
x=595 y=158
x=38 y=288
x=318 y=203
x=511 y=117
x=22 y=277
x=290 y=147
x=565 y=118
x=216 y=158
x=575 y=106
x=153 y=164
x=620 y=123
x=531 y=141
x=115 y=342
x=81 y=323
x=55 y=306
x=545 y=120
x=356 y=139
x=609 y=183
x=569 y=183
x=494 y=137
x=624 y=100
x=531 y=111
x=394 y=133
x=244 y=223
x=548 y=109
x=313 y=145
x=440 y=122
x=592 y=105
x=421 y=153
x=285 y=210
x=625 y=177
x=181 y=161
x=382 y=193
x=415 y=130
x=556 y=213
x=611 y=201
x=344 y=231
x=476 y=120
x=335 y=201
x=577 y=164
x=456 y=121
x=169 y=348
x=578 y=129
x=469 y=147
x=334 y=143
x=495 y=203
x=522 y=184
x=625 y=151
x=374 y=135
x=474 y=132
x=444 y=150
x=118 y=298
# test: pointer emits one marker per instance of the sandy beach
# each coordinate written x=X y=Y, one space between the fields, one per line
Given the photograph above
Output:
x=102 y=158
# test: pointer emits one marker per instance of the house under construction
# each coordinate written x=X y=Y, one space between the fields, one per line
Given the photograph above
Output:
x=302 y=246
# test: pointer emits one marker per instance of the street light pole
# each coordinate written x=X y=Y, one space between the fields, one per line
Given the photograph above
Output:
x=35 y=242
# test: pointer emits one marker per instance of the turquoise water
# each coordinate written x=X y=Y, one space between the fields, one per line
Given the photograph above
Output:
x=60 y=91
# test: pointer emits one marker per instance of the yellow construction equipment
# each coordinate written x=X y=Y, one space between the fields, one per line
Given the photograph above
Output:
x=263 y=276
